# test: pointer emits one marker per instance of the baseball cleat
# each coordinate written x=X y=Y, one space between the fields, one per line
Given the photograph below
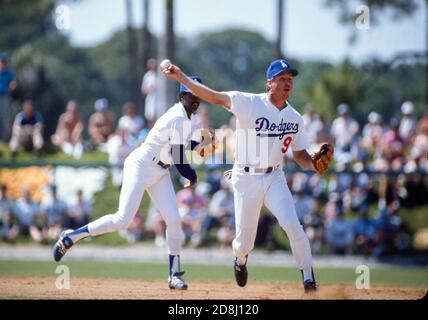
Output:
x=177 y=282
x=241 y=274
x=62 y=245
x=309 y=286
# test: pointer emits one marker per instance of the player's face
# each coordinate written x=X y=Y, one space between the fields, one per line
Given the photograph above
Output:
x=190 y=102
x=281 y=85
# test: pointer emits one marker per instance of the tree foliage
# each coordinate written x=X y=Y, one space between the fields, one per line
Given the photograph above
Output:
x=51 y=71
x=396 y=8
x=348 y=12
x=23 y=21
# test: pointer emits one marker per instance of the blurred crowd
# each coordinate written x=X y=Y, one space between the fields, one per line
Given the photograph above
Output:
x=41 y=221
x=379 y=167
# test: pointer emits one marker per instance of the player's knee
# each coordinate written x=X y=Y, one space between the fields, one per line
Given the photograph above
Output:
x=293 y=229
x=121 y=222
x=172 y=221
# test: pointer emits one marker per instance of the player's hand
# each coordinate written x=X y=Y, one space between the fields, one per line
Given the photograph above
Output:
x=173 y=72
x=190 y=184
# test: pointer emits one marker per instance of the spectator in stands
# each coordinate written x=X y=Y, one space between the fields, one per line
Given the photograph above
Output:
x=372 y=134
x=419 y=148
x=365 y=232
x=27 y=130
x=8 y=84
x=341 y=181
x=54 y=212
x=79 y=212
x=221 y=213
x=339 y=232
x=393 y=147
x=193 y=210
x=69 y=131
x=344 y=132
x=316 y=128
x=214 y=178
x=393 y=233
x=314 y=226
x=150 y=89
x=7 y=209
x=118 y=147
x=302 y=200
x=27 y=212
x=101 y=124
x=156 y=224
x=131 y=121
x=226 y=233
x=408 y=122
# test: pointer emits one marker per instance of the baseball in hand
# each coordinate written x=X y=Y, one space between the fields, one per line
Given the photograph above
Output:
x=165 y=64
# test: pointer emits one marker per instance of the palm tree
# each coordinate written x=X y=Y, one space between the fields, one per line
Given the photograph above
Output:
x=133 y=88
x=145 y=35
x=278 y=42
x=167 y=50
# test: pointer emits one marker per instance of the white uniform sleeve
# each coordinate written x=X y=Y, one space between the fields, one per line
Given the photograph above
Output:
x=181 y=130
x=300 y=140
x=241 y=105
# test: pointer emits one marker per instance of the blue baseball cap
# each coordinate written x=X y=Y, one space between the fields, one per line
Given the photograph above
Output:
x=185 y=89
x=279 y=66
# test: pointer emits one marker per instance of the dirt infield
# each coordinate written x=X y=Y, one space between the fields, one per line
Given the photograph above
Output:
x=13 y=287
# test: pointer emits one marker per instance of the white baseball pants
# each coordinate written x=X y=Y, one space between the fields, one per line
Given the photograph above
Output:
x=250 y=192
x=141 y=173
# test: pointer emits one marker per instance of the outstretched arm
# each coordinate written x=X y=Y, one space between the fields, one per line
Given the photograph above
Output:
x=173 y=72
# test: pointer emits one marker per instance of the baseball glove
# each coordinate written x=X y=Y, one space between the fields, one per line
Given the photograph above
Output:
x=208 y=144
x=228 y=174
x=322 y=158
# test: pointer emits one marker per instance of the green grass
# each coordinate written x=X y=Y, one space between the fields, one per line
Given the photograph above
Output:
x=413 y=277
x=50 y=153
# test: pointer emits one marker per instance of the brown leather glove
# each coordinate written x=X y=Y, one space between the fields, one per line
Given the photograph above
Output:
x=322 y=158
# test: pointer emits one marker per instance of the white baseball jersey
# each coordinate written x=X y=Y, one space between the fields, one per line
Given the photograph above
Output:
x=174 y=127
x=264 y=133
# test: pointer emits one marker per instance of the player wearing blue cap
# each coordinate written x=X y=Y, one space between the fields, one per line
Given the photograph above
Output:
x=267 y=126
x=146 y=168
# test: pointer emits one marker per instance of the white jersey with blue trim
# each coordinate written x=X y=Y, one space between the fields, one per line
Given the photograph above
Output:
x=173 y=127
x=263 y=132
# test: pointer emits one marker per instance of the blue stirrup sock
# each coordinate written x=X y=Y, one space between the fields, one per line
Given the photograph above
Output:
x=174 y=264
x=79 y=234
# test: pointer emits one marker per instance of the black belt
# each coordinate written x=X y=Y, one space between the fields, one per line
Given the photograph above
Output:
x=259 y=170
x=163 y=165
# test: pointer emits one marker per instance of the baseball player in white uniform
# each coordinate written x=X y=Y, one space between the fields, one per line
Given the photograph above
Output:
x=267 y=126
x=146 y=169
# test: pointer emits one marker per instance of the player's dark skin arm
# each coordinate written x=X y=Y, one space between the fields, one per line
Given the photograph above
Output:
x=303 y=159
